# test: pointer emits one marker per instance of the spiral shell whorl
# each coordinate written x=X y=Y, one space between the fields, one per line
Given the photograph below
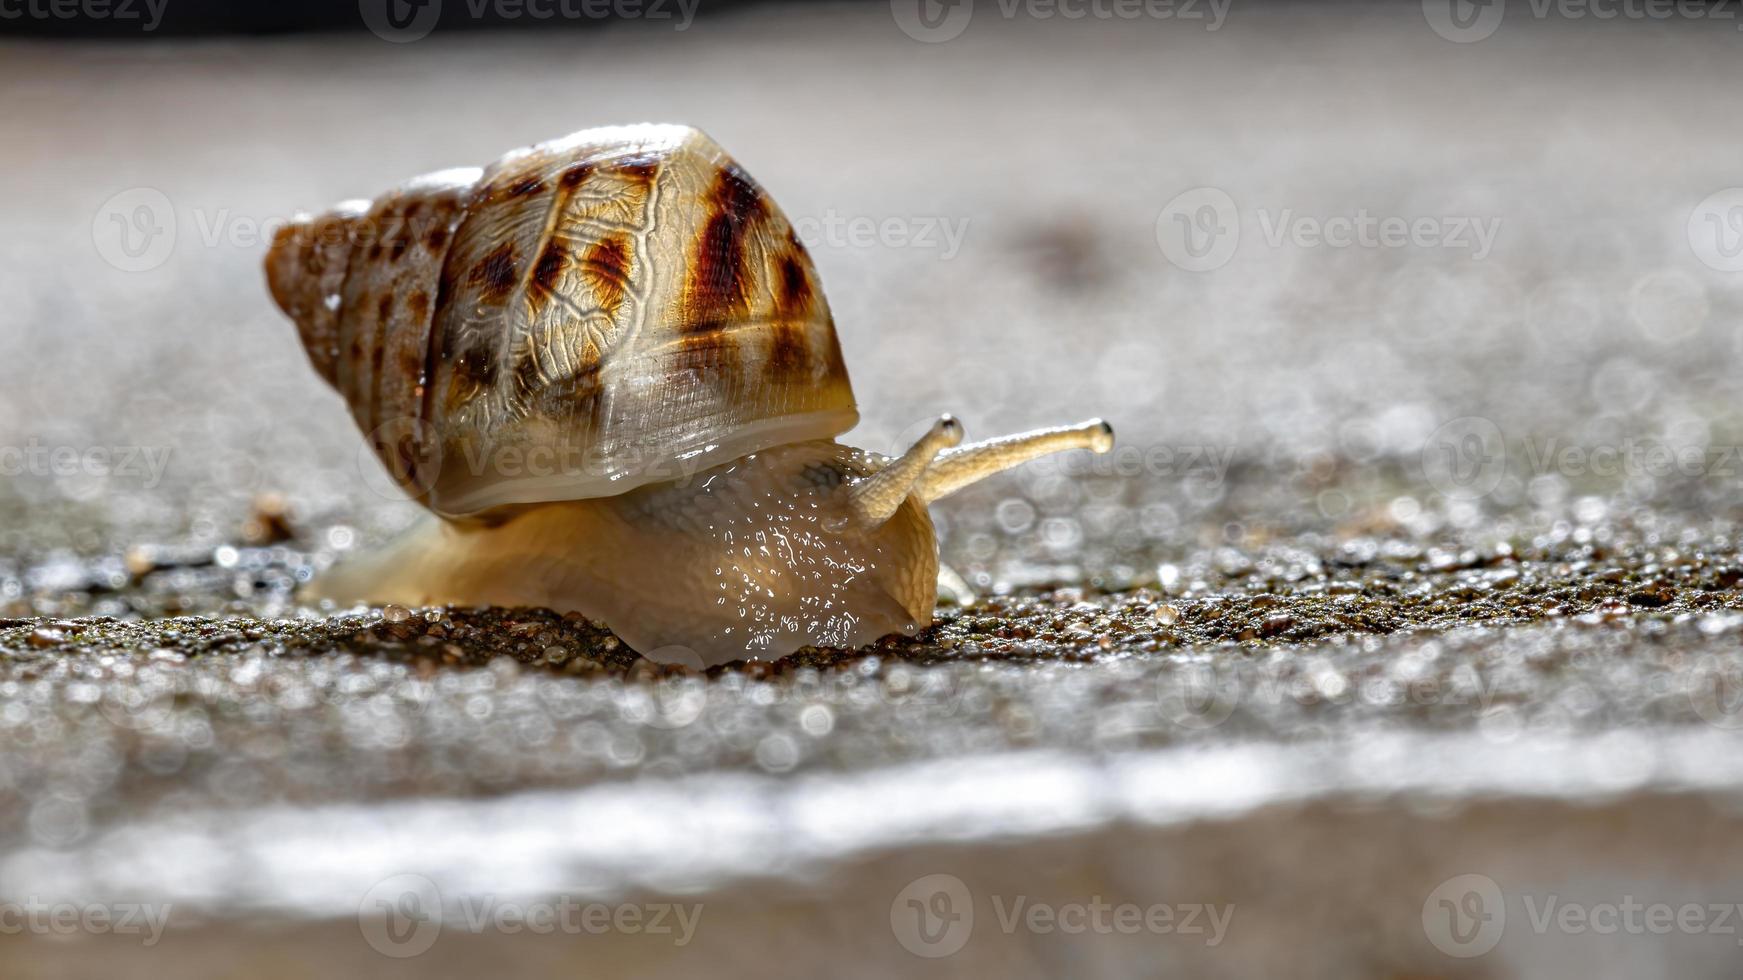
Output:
x=305 y=267
x=618 y=300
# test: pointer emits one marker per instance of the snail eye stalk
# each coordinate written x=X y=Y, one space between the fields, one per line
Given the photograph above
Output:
x=957 y=468
x=876 y=497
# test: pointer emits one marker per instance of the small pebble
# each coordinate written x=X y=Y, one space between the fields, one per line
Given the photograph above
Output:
x=46 y=637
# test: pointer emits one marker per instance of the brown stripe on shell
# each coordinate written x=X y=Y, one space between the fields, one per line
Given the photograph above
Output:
x=579 y=282
x=526 y=187
x=716 y=288
x=360 y=321
x=542 y=283
x=497 y=274
x=606 y=268
x=548 y=270
x=638 y=169
x=399 y=366
x=575 y=175
x=795 y=297
x=789 y=351
x=790 y=356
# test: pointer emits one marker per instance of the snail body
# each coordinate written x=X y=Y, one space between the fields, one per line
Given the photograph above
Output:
x=605 y=365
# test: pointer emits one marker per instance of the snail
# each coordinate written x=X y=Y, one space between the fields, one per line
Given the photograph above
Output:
x=605 y=366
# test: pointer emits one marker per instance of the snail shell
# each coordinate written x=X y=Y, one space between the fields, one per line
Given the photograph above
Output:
x=613 y=304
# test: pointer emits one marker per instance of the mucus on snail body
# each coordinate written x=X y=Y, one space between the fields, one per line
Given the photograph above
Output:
x=605 y=365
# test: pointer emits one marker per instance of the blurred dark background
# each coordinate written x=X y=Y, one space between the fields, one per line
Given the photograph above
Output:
x=172 y=18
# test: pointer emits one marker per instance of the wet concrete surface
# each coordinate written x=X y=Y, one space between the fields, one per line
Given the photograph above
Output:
x=1306 y=650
